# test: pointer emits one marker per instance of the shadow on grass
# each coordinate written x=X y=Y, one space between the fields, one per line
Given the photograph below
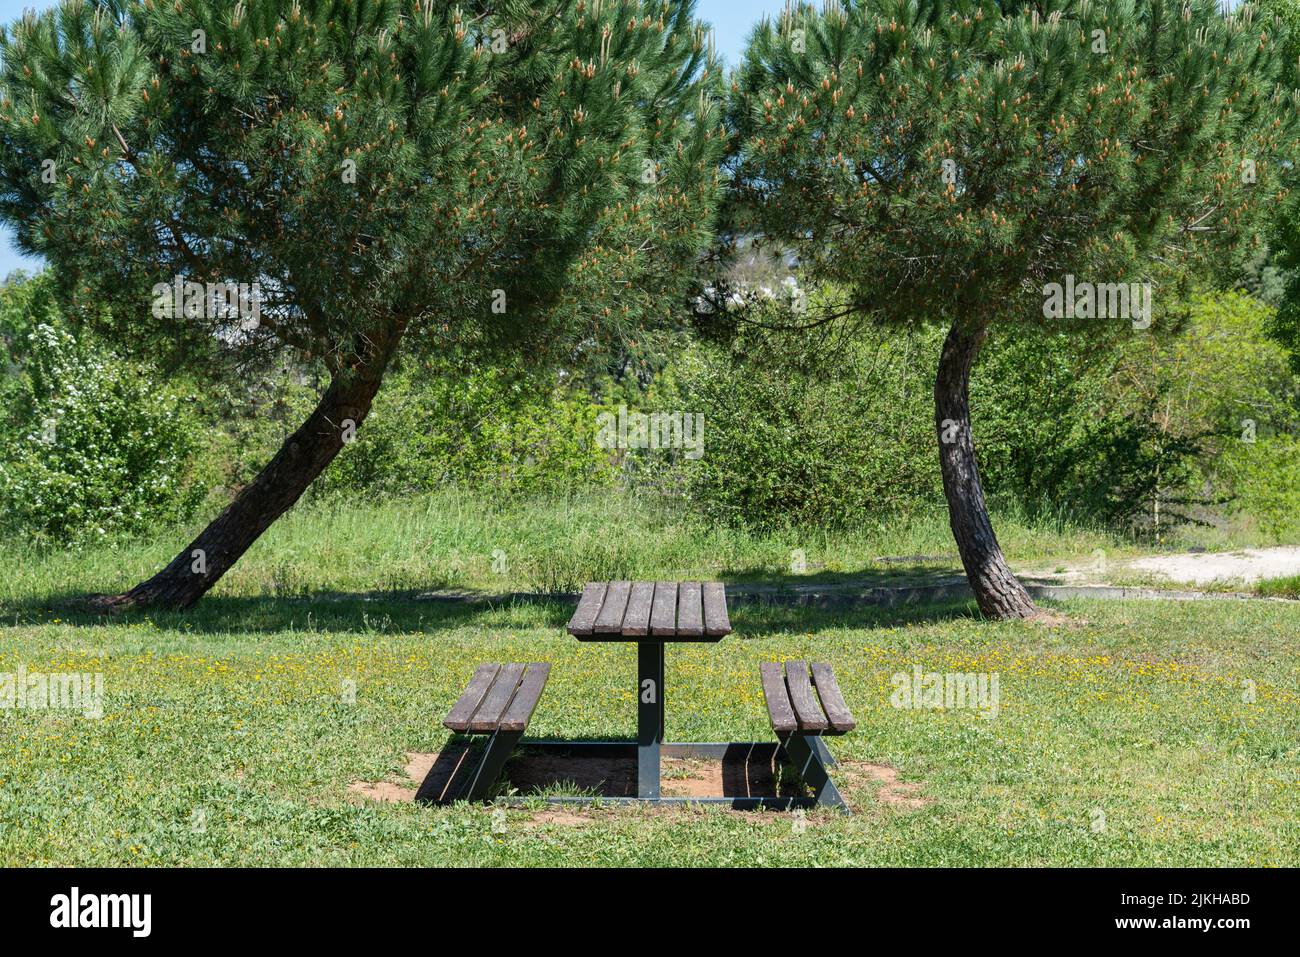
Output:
x=607 y=770
x=753 y=618
x=759 y=606
x=766 y=619
x=914 y=571
x=349 y=612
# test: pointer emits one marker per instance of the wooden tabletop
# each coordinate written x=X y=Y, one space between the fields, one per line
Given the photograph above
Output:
x=651 y=611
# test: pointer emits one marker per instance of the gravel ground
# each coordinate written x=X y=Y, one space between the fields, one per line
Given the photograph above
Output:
x=1248 y=565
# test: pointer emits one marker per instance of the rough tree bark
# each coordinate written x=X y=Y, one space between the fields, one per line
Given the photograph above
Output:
x=302 y=457
x=998 y=591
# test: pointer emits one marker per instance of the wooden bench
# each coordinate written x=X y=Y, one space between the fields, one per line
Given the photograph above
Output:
x=498 y=701
x=804 y=705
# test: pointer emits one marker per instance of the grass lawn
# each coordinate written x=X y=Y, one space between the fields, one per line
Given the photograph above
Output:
x=1124 y=738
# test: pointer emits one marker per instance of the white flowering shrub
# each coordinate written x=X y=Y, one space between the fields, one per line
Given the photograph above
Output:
x=96 y=445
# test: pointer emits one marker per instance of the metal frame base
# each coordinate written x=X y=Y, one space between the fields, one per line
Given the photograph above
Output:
x=735 y=803
x=806 y=753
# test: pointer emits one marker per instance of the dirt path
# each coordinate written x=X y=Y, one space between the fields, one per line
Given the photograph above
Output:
x=1201 y=568
x=1245 y=566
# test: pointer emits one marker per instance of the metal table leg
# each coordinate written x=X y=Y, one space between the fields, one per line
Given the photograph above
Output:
x=649 y=717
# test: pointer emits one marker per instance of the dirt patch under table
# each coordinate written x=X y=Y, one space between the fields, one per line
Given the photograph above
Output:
x=428 y=775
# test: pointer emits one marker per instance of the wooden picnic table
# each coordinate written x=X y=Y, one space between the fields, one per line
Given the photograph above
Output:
x=652 y=614
x=804 y=702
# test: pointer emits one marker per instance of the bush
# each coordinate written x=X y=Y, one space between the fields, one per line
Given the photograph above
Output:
x=478 y=429
x=1057 y=438
x=105 y=447
x=1111 y=433
x=1266 y=476
x=792 y=439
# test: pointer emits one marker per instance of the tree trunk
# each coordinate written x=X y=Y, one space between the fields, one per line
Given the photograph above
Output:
x=998 y=592
x=276 y=488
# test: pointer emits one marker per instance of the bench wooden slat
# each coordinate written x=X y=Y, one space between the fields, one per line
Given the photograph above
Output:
x=802 y=697
x=610 y=619
x=593 y=596
x=663 y=613
x=636 y=621
x=690 y=610
x=778 y=700
x=458 y=718
x=716 y=621
x=497 y=699
x=524 y=704
x=837 y=712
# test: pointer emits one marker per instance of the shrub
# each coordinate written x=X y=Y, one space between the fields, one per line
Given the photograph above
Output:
x=1266 y=476
x=824 y=439
x=480 y=429
x=105 y=446
x=1110 y=432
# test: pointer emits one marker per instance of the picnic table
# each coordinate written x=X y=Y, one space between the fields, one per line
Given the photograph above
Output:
x=803 y=700
x=652 y=614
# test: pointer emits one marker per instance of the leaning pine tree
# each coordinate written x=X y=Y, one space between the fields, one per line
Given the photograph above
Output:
x=382 y=174
x=978 y=163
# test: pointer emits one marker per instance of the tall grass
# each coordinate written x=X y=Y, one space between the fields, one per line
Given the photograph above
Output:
x=457 y=540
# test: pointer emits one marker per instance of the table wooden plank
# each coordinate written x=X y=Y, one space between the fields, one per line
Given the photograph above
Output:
x=801 y=696
x=636 y=621
x=610 y=619
x=525 y=702
x=828 y=689
x=459 y=716
x=593 y=596
x=716 y=621
x=690 y=610
x=778 y=700
x=496 y=701
x=663 y=613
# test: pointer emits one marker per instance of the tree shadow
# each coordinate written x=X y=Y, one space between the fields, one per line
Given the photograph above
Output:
x=330 y=611
x=759 y=620
x=901 y=573
x=776 y=604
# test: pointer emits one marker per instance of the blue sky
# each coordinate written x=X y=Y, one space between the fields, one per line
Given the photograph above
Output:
x=732 y=21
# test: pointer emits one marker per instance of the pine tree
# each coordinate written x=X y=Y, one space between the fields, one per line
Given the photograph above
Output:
x=384 y=175
x=952 y=160
x=1285 y=237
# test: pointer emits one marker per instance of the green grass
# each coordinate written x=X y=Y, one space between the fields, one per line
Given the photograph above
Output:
x=448 y=541
x=1175 y=724
x=1285 y=587
x=236 y=711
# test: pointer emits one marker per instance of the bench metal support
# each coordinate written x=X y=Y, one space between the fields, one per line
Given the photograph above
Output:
x=819 y=745
x=735 y=803
x=499 y=748
x=806 y=755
